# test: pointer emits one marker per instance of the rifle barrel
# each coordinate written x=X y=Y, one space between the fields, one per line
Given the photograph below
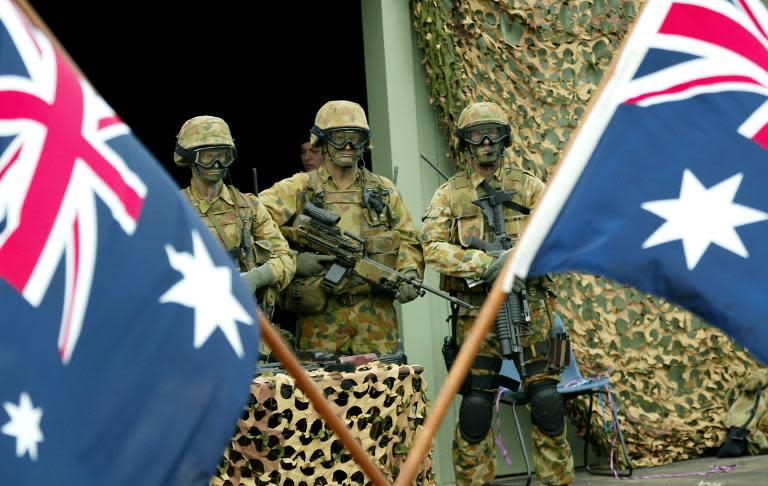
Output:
x=437 y=169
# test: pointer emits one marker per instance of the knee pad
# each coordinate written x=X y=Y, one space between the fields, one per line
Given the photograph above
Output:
x=475 y=415
x=547 y=411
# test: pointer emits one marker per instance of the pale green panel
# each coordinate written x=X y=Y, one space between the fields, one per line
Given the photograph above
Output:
x=404 y=126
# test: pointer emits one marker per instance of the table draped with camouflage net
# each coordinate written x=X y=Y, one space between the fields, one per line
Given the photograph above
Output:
x=281 y=439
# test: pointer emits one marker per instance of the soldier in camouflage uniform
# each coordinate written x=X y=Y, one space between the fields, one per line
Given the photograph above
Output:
x=238 y=220
x=352 y=318
x=449 y=225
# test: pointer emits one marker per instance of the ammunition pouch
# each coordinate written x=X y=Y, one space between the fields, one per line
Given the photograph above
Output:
x=383 y=247
x=559 y=352
x=304 y=295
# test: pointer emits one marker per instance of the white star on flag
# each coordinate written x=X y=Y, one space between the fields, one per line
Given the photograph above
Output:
x=24 y=425
x=701 y=217
x=207 y=289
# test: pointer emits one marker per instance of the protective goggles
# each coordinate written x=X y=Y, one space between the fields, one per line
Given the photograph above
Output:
x=207 y=157
x=341 y=137
x=494 y=132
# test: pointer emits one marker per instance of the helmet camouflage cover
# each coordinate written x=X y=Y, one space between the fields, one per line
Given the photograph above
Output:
x=202 y=131
x=338 y=114
x=481 y=112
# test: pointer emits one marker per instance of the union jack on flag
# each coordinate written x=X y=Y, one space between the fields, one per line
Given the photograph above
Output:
x=663 y=187
x=127 y=340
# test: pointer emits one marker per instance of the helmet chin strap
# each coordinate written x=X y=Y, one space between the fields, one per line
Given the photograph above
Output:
x=500 y=155
x=197 y=168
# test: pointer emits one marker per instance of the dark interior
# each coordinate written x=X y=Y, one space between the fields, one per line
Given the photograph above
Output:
x=158 y=69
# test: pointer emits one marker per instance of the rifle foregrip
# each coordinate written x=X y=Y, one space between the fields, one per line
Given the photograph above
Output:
x=508 y=317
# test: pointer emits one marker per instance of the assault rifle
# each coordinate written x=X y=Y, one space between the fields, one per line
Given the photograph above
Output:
x=312 y=361
x=317 y=229
x=513 y=320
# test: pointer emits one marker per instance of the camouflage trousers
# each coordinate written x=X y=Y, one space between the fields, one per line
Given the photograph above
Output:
x=475 y=464
x=351 y=325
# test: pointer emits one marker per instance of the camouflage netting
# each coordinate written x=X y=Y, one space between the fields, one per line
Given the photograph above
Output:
x=674 y=374
x=542 y=60
x=282 y=440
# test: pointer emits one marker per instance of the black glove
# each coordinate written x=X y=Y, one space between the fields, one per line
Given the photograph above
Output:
x=407 y=292
x=311 y=263
x=493 y=271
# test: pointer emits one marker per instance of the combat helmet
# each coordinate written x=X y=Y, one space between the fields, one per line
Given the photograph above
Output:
x=482 y=113
x=202 y=132
x=335 y=118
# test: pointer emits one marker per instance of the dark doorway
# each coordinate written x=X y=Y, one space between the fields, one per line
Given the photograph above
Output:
x=158 y=69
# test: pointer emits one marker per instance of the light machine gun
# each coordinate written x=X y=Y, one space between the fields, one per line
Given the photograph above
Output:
x=317 y=229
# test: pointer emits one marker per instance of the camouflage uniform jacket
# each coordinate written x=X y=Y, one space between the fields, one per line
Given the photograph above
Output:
x=287 y=198
x=225 y=222
x=451 y=219
x=354 y=319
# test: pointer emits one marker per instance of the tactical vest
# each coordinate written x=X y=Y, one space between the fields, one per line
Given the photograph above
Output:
x=382 y=243
x=304 y=294
x=468 y=220
x=246 y=254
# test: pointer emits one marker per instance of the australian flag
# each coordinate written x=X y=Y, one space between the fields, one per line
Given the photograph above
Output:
x=127 y=340
x=665 y=186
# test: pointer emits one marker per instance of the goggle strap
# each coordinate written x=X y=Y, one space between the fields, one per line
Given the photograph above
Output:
x=187 y=154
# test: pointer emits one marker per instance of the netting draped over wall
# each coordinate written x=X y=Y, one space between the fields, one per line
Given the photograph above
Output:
x=542 y=60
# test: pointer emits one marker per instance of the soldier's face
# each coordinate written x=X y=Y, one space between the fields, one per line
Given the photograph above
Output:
x=212 y=175
x=345 y=157
x=311 y=157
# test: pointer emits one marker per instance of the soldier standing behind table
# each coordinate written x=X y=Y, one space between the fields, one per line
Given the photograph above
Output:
x=454 y=231
x=239 y=221
x=354 y=317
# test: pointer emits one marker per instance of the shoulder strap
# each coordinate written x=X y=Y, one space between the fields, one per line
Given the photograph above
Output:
x=314 y=189
x=504 y=197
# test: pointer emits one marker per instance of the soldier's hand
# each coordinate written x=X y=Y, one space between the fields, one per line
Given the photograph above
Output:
x=407 y=292
x=259 y=277
x=518 y=285
x=311 y=263
x=493 y=271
